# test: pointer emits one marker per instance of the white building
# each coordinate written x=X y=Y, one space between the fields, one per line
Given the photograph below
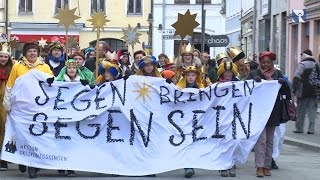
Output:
x=166 y=13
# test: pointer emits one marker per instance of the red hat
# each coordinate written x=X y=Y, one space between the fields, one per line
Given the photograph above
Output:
x=269 y=54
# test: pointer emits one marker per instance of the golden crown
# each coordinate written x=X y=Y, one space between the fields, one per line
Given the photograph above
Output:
x=221 y=56
x=187 y=49
x=71 y=62
x=5 y=48
x=112 y=56
x=235 y=53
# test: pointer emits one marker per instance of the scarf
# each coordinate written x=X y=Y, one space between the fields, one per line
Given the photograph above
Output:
x=29 y=64
x=56 y=60
x=3 y=74
x=267 y=73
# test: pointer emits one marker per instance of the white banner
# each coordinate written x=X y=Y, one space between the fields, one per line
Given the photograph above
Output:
x=136 y=127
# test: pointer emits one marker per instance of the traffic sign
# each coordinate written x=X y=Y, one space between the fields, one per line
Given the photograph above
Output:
x=217 y=41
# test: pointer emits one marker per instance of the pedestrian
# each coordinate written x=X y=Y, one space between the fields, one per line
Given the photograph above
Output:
x=89 y=53
x=30 y=61
x=125 y=62
x=227 y=71
x=71 y=73
x=264 y=146
x=5 y=68
x=137 y=56
x=212 y=70
x=163 y=61
x=148 y=67
x=191 y=79
x=108 y=72
x=305 y=93
x=103 y=48
x=56 y=57
x=79 y=57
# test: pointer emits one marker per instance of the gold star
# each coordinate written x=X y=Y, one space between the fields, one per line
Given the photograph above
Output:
x=185 y=24
x=143 y=91
x=131 y=36
x=66 y=17
x=42 y=42
x=98 y=20
x=13 y=44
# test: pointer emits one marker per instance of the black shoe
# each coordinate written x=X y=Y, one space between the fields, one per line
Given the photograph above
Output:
x=297 y=132
x=71 y=173
x=32 y=172
x=150 y=175
x=22 y=168
x=3 y=166
x=310 y=132
x=274 y=165
x=188 y=172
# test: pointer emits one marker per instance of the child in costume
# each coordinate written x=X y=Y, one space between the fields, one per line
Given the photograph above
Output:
x=137 y=56
x=56 y=58
x=108 y=72
x=125 y=62
x=191 y=79
x=79 y=57
x=5 y=68
x=148 y=67
x=71 y=72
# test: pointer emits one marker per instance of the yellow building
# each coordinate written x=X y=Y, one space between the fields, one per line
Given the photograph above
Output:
x=32 y=19
x=2 y=20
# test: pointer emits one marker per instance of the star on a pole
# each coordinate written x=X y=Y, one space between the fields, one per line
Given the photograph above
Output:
x=42 y=42
x=185 y=24
x=66 y=17
x=143 y=91
x=131 y=36
x=98 y=20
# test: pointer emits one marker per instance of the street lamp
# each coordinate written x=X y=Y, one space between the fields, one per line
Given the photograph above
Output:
x=150 y=21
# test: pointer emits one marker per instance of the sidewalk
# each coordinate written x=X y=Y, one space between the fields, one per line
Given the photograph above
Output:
x=310 y=142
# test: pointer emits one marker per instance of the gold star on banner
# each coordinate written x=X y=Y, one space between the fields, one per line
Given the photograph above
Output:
x=131 y=36
x=143 y=91
x=66 y=17
x=42 y=42
x=185 y=24
x=13 y=44
x=98 y=20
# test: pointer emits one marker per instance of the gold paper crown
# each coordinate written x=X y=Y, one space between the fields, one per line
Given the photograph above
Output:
x=247 y=60
x=187 y=49
x=106 y=65
x=235 y=53
x=112 y=56
x=191 y=69
x=71 y=62
x=221 y=56
x=5 y=48
x=227 y=66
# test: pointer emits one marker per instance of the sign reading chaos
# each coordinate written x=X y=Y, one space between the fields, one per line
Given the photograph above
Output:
x=218 y=41
x=137 y=126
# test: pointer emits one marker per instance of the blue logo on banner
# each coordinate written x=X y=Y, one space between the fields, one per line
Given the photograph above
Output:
x=299 y=15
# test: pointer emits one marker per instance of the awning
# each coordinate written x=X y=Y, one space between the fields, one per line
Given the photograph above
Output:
x=49 y=38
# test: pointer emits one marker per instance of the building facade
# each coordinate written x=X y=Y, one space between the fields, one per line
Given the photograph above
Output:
x=233 y=23
x=166 y=13
x=247 y=30
x=3 y=20
x=307 y=33
x=32 y=19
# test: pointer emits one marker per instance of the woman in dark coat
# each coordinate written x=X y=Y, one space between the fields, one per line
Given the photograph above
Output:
x=264 y=146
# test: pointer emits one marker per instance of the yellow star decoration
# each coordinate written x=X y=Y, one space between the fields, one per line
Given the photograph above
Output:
x=143 y=91
x=13 y=44
x=131 y=36
x=185 y=24
x=42 y=42
x=66 y=17
x=98 y=20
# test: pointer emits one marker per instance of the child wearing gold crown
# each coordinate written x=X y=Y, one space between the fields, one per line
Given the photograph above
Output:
x=5 y=69
x=186 y=59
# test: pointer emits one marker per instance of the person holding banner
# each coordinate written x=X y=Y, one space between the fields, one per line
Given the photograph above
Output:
x=30 y=61
x=264 y=146
x=227 y=71
x=5 y=68
x=56 y=58
x=191 y=79
x=137 y=56
x=108 y=72
x=79 y=57
x=148 y=67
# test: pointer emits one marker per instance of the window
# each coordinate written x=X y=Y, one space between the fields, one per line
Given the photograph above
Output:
x=182 y=1
x=25 y=6
x=134 y=7
x=98 y=6
x=205 y=1
x=61 y=4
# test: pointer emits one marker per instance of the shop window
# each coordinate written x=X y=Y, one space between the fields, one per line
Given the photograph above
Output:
x=25 y=6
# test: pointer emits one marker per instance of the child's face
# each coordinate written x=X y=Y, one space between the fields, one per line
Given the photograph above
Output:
x=227 y=76
x=148 y=68
x=108 y=76
x=72 y=71
x=191 y=77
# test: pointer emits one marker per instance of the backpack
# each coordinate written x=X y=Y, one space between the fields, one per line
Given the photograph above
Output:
x=307 y=89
